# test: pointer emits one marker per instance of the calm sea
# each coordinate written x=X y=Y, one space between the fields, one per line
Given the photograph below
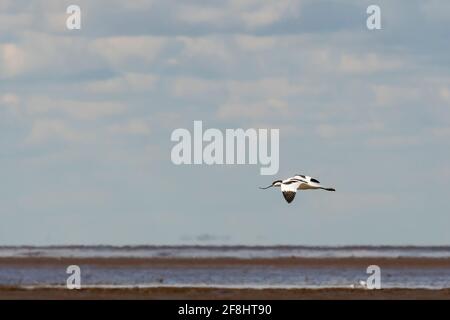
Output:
x=223 y=275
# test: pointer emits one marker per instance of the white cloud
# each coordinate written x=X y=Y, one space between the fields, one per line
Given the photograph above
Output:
x=267 y=13
x=436 y=10
x=84 y=110
x=330 y=131
x=127 y=83
x=368 y=63
x=255 y=43
x=44 y=130
x=247 y=13
x=316 y=82
x=135 y=4
x=264 y=87
x=36 y=52
x=210 y=46
x=395 y=141
x=12 y=60
x=444 y=94
x=6 y=4
x=9 y=99
x=120 y=51
x=10 y=22
x=11 y=102
x=197 y=14
x=441 y=132
x=389 y=95
x=191 y=87
x=268 y=88
x=254 y=110
x=131 y=127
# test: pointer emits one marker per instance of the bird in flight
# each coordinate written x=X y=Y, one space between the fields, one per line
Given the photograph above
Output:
x=290 y=186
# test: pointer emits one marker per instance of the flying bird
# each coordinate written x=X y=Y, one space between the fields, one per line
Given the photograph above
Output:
x=290 y=186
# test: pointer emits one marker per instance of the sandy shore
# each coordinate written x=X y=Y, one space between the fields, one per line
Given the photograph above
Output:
x=221 y=294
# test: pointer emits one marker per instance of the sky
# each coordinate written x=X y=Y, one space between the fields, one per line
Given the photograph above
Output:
x=86 y=118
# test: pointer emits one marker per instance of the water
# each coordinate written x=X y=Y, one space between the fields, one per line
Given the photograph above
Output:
x=243 y=252
x=433 y=276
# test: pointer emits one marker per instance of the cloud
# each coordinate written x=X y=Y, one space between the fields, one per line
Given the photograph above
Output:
x=136 y=4
x=12 y=60
x=255 y=110
x=53 y=55
x=265 y=87
x=334 y=131
x=112 y=93
x=199 y=15
x=368 y=63
x=127 y=83
x=444 y=94
x=436 y=10
x=194 y=86
x=269 y=88
x=123 y=51
x=255 y=43
x=19 y=21
x=430 y=92
x=200 y=47
x=11 y=102
x=441 y=132
x=396 y=141
x=131 y=127
x=247 y=14
x=83 y=110
x=389 y=95
x=64 y=55
x=9 y=99
x=44 y=130
x=266 y=13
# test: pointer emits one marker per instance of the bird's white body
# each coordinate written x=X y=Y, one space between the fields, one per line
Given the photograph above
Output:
x=290 y=185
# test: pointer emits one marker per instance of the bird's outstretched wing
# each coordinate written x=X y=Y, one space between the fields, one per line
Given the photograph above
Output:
x=289 y=190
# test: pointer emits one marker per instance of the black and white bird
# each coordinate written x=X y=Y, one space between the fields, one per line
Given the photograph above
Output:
x=290 y=186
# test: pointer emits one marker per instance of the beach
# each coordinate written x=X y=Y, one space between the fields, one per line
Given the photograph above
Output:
x=221 y=294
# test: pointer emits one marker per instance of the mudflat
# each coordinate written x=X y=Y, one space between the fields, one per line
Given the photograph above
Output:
x=170 y=293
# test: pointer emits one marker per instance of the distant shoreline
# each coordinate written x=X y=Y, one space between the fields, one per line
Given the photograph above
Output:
x=229 y=246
